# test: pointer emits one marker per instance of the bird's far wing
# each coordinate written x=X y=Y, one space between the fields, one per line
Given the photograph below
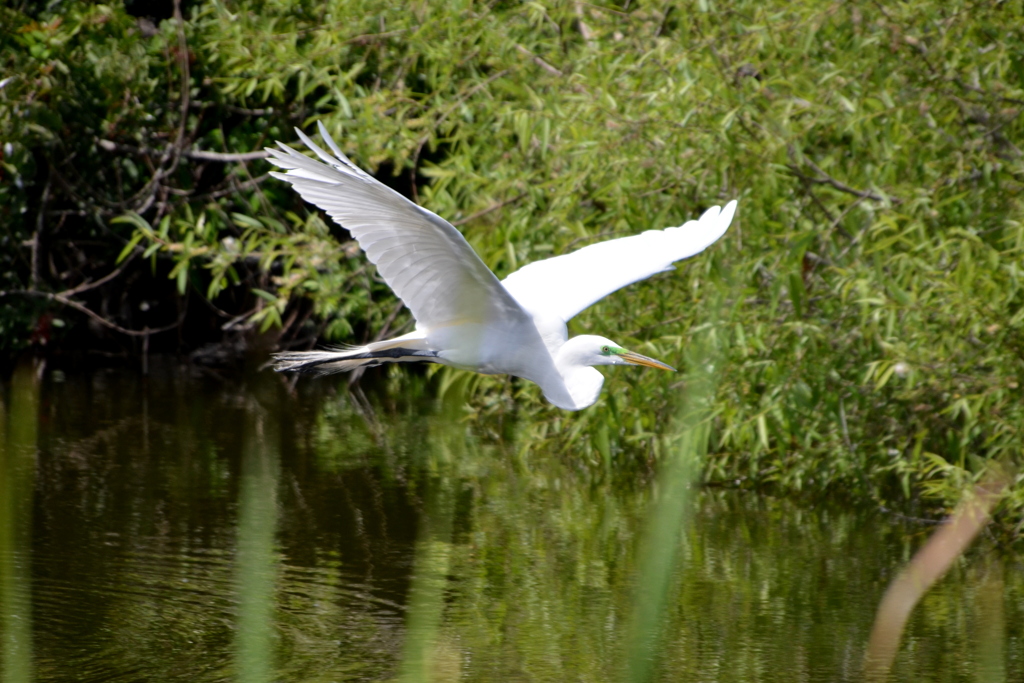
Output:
x=565 y=285
x=422 y=257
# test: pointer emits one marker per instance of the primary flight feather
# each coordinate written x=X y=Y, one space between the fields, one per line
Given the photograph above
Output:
x=466 y=317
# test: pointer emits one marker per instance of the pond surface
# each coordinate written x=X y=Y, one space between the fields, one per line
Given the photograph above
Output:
x=180 y=527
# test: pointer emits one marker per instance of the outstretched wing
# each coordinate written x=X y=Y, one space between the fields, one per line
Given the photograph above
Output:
x=422 y=257
x=565 y=285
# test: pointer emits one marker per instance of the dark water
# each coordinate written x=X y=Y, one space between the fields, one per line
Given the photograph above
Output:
x=188 y=528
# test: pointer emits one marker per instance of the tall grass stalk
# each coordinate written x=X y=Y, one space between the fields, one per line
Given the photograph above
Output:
x=424 y=656
x=256 y=561
x=426 y=599
x=992 y=623
x=926 y=567
x=671 y=510
x=18 y=438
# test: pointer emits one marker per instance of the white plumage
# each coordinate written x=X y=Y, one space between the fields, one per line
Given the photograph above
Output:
x=464 y=316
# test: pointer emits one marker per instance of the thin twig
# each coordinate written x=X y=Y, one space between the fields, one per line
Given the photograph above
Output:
x=186 y=75
x=817 y=202
x=386 y=327
x=234 y=189
x=585 y=31
x=198 y=104
x=86 y=286
x=437 y=126
x=825 y=179
x=857 y=238
x=554 y=71
x=33 y=276
x=841 y=216
x=489 y=209
x=174 y=151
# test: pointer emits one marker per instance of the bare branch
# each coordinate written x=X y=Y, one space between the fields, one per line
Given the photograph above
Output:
x=197 y=154
x=95 y=316
x=224 y=157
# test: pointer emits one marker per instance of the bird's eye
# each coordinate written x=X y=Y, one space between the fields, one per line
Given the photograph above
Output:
x=604 y=350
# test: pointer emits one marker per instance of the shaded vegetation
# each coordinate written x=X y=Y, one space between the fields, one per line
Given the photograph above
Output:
x=869 y=294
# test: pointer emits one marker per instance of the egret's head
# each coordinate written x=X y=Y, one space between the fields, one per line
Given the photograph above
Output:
x=593 y=350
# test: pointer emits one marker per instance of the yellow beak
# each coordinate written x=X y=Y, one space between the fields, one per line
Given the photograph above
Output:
x=637 y=359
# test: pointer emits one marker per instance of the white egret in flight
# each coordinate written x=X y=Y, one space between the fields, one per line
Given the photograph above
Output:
x=466 y=317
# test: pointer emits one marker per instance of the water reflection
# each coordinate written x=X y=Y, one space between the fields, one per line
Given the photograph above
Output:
x=188 y=529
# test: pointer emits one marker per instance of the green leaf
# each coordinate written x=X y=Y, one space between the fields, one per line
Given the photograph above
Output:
x=245 y=221
x=130 y=247
x=267 y=296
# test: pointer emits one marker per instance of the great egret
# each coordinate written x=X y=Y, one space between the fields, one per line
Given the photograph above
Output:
x=464 y=316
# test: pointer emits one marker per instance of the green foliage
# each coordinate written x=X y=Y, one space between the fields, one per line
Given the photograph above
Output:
x=71 y=78
x=872 y=276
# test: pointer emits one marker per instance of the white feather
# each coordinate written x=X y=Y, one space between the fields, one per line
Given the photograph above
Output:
x=565 y=285
x=422 y=257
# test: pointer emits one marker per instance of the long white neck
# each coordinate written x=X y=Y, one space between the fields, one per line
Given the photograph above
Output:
x=579 y=385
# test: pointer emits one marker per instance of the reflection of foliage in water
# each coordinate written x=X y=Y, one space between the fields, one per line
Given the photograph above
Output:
x=140 y=501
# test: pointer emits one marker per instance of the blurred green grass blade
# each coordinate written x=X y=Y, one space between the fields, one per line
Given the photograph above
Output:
x=425 y=657
x=677 y=487
x=256 y=560
x=17 y=474
x=991 y=632
x=426 y=597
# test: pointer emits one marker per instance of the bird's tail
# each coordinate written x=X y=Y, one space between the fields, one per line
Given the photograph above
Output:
x=405 y=349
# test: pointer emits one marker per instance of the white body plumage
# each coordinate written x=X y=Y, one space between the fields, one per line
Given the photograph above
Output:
x=464 y=316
